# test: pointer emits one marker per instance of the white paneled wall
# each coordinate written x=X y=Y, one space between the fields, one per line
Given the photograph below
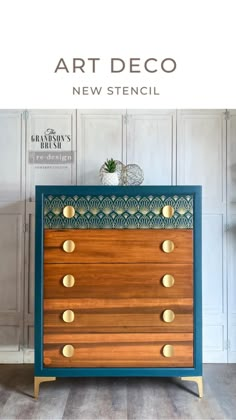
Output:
x=151 y=143
x=201 y=159
x=12 y=210
x=172 y=147
x=101 y=135
x=37 y=122
x=231 y=231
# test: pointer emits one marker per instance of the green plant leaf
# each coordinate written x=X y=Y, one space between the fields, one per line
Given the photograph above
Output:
x=110 y=165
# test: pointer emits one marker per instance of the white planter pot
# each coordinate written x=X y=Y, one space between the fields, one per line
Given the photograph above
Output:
x=110 y=178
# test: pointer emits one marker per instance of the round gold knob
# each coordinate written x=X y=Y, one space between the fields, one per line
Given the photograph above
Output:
x=168 y=315
x=69 y=212
x=69 y=246
x=168 y=246
x=68 y=316
x=168 y=350
x=68 y=280
x=68 y=350
x=168 y=211
x=168 y=280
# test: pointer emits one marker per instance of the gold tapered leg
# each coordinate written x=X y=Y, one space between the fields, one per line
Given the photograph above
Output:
x=38 y=380
x=198 y=380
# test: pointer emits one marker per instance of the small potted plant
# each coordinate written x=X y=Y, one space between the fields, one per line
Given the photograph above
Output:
x=110 y=175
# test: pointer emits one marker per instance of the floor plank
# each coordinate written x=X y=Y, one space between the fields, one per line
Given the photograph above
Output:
x=117 y=398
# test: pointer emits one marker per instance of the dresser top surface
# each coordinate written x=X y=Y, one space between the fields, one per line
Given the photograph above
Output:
x=118 y=190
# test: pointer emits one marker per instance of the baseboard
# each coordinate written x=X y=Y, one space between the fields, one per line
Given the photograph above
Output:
x=15 y=357
x=28 y=356
x=12 y=357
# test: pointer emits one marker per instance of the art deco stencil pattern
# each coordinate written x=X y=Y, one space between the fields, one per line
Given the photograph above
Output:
x=114 y=212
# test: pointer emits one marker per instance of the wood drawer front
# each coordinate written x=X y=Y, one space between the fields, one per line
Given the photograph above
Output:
x=118 y=350
x=134 y=246
x=118 y=280
x=118 y=315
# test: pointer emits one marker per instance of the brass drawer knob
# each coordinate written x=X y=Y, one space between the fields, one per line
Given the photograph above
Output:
x=68 y=350
x=168 y=280
x=68 y=316
x=168 y=315
x=168 y=246
x=168 y=350
x=168 y=211
x=68 y=280
x=69 y=212
x=68 y=246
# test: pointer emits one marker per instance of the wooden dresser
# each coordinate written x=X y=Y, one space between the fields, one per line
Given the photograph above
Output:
x=118 y=282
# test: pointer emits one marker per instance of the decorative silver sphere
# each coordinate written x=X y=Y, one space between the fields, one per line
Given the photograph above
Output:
x=132 y=175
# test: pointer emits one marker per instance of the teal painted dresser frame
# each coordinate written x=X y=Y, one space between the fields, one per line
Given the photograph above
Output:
x=122 y=207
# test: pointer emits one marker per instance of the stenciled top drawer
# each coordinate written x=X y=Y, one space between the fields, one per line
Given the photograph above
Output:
x=118 y=211
x=121 y=246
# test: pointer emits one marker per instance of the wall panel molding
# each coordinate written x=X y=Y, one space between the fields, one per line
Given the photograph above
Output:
x=101 y=135
x=201 y=159
x=12 y=212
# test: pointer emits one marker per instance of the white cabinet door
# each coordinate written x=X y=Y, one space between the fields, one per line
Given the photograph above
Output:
x=101 y=135
x=50 y=160
x=11 y=235
x=11 y=155
x=29 y=284
x=201 y=159
x=231 y=261
x=151 y=137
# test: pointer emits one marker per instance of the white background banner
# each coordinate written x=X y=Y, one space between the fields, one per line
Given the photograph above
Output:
x=198 y=35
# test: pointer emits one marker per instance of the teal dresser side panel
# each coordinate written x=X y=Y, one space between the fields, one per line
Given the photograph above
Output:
x=118 y=212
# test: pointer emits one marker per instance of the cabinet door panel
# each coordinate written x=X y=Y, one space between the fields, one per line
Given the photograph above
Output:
x=150 y=144
x=9 y=341
x=11 y=132
x=10 y=267
x=201 y=159
x=213 y=280
x=201 y=154
x=231 y=263
x=11 y=283
x=29 y=282
x=100 y=137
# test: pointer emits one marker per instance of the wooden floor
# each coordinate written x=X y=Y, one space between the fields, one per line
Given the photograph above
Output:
x=117 y=398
